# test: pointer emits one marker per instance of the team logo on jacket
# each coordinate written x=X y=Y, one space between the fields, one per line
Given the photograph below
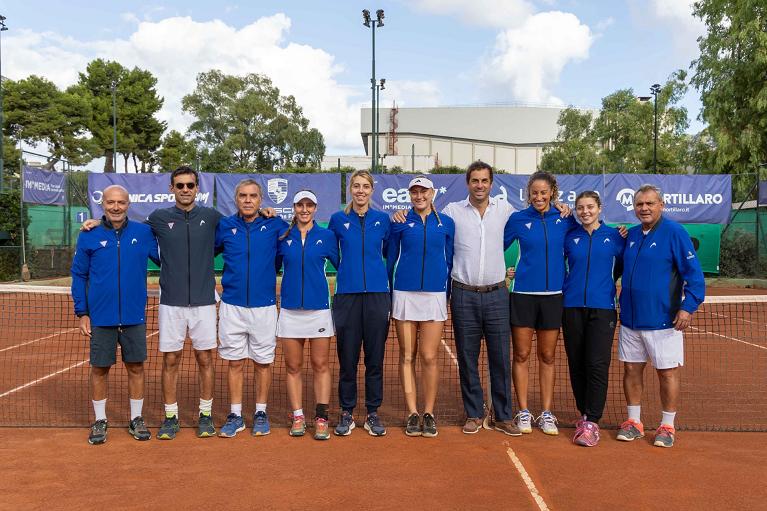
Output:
x=202 y=222
x=347 y=225
x=559 y=220
x=103 y=243
x=133 y=241
x=319 y=242
x=631 y=244
x=234 y=231
x=263 y=228
x=412 y=224
x=653 y=244
x=171 y=224
x=376 y=224
x=576 y=240
x=277 y=189
x=290 y=242
x=690 y=255
x=607 y=240
x=529 y=225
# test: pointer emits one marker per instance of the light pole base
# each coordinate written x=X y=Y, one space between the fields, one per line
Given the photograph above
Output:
x=25 y=275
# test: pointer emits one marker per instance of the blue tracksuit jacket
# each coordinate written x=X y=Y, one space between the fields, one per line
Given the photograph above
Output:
x=361 y=240
x=661 y=274
x=250 y=266
x=541 y=236
x=109 y=273
x=594 y=262
x=422 y=253
x=304 y=285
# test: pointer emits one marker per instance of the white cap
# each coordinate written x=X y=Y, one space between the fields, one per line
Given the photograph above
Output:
x=304 y=194
x=420 y=181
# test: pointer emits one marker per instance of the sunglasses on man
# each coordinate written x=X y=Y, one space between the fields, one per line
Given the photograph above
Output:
x=180 y=186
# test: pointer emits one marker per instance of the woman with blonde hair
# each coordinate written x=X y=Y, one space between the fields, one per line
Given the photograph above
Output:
x=419 y=259
x=362 y=302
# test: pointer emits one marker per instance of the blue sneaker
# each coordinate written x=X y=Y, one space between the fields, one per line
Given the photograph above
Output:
x=233 y=425
x=168 y=429
x=374 y=426
x=260 y=424
x=345 y=424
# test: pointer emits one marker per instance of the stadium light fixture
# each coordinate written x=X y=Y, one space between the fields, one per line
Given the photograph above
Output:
x=113 y=87
x=381 y=86
x=655 y=90
x=3 y=28
x=366 y=21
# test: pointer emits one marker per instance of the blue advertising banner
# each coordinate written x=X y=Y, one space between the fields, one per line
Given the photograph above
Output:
x=390 y=192
x=44 y=187
x=278 y=191
x=763 y=193
x=147 y=192
x=698 y=199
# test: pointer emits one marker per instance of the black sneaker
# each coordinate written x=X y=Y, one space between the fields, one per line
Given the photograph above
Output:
x=98 y=433
x=413 y=427
x=374 y=426
x=205 y=427
x=168 y=429
x=138 y=429
x=429 y=426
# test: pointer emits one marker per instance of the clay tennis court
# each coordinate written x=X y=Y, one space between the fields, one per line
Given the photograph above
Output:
x=43 y=382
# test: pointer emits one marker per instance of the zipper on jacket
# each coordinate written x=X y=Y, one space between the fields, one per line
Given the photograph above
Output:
x=188 y=259
x=631 y=282
x=588 y=266
x=303 y=247
x=423 y=258
x=119 y=293
x=546 y=240
x=362 y=225
x=247 y=272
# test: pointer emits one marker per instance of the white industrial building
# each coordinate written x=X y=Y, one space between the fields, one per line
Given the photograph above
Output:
x=510 y=138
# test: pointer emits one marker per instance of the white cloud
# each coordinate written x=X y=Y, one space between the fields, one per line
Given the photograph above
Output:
x=685 y=28
x=527 y=60
x=176 y=49
x=490 y=13
x=410 y=93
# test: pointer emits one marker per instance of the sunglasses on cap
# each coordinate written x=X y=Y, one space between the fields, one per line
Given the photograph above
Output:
x=180 y=186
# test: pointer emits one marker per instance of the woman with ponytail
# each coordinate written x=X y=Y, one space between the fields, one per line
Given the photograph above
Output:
x=419 y=259
x=362 y=302
x=305 y=312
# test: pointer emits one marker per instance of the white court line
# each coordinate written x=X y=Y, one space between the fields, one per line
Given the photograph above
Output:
x=730 y=338
x=35 y=382
x=736 y=319
x=512 y=455
x=19 y=345
x=526 y=478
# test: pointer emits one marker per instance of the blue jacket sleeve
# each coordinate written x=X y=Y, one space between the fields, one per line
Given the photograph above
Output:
x=509 y=233
x=688 y=265
x=332 y=250
x=80 y=268
x=392 y=251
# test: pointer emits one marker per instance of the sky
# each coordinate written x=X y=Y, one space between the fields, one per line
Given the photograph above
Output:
x=431 y=52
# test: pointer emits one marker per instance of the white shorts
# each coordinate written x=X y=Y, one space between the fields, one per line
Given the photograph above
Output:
x=175 y=321
x=664 y=348
x=247 y=332
x=305 y=324
x=419 y=305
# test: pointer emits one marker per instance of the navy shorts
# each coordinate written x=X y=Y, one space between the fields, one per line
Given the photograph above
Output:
x=104 y=340
x=542 y=312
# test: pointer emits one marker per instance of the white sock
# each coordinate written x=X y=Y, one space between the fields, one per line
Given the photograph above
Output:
x=634 y=412
x=668 y=418
x=171 y=410
x=206 y=405
x=236 y=409
x=261 y=407
x=135 y=408
x=100 y=409
x=298 y=413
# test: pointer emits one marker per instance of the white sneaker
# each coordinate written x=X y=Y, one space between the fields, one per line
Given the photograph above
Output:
x=524 y=420
x=548 y=423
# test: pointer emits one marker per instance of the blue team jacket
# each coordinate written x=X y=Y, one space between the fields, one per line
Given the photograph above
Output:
x=304 y=285
x=361 y=240
x=109 y=273
x=592 y=260
x=422 y=253
x=541 y=236
x=250 y=266
x=661 y=274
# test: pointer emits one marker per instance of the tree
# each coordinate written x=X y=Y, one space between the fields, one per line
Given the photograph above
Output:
x=137 y=102
x=731 y=75
x=246 y=124
x=576 y=148
x=37 y=112
x=175 y=151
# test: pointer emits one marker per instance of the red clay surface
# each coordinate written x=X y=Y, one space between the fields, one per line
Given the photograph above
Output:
x=57 y=469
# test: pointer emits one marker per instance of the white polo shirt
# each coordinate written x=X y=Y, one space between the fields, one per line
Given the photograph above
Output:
x=478 y=247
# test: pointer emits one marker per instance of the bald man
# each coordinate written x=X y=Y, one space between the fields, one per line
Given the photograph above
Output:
x=109 y=293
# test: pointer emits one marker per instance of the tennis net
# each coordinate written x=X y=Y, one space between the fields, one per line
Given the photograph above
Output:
x=44 y=372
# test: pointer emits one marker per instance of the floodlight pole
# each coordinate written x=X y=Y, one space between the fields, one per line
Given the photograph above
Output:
x=381 y=85
x=3 y=28
x=368 y=22
x=114 y=127
x=655 y=89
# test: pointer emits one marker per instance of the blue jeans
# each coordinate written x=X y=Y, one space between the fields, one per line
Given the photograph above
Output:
x=478 y=315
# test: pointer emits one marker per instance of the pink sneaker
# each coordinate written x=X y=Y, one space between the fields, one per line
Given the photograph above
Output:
x=586 y=434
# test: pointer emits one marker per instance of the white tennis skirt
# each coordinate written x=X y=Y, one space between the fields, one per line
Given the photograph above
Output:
x=419 y=305
x=305 y=324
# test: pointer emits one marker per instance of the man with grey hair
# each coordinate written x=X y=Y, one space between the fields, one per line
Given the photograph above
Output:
x=248 y=313
x=109 y=293
x=662 y=286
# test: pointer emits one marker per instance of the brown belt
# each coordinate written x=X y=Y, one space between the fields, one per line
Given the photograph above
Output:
x=479 y=289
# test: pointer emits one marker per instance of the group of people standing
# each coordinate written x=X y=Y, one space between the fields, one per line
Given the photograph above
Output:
x=408 y=268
